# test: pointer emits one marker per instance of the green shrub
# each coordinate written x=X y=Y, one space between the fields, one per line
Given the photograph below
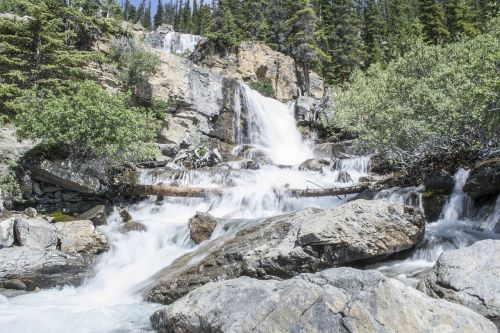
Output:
x=433 y=96
x=88 y=123
x=263 y=86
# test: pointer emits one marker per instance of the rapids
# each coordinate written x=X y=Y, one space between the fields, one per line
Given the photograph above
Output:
x=110 y=300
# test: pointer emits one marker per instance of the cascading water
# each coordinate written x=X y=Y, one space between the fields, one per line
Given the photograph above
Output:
x=178 y=43
x=456 y=228
x=110 y=300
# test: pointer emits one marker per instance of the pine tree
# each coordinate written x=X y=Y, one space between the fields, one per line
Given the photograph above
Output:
x=195 y=18
x=460 y=19
x=159 y=16
x=432 y=17
x=132 y=13
x=169 y=15
x=402 y=26
x=204 y=18
x=224 y=31
x=346 y=46
x=146 y=19
x=373 y=32
x=187 y=18
x=139 y=17
x=277 y=15
x=179 y=17
x=256 y=26
x=126 y=10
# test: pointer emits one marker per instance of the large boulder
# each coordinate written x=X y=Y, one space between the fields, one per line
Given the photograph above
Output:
x=7 y=231
x=97 y=215
x=81 y=237
x=35 y=233
x=42 y=268
x=201 y=227
x=484 y=179
x=469 y=276
x=314 y=164
x=284 y=246
x=335 y=300
x=68 y=174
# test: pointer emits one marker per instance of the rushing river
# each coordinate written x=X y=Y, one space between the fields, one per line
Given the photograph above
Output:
x=110 y=300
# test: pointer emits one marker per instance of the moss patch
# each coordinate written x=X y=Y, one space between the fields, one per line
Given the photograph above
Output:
x=60 y=216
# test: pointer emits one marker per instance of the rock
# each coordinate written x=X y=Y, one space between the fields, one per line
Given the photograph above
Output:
x=97 y=215
x=249 y=165
x=440 y=181
x=469 y=276
x=30 y=212
x=334 y=149
x=125 y=215
x=15 y=284
x=133 y=226
x=81 y=237
x=166 y=39
x=433 y=202
x=381 y=164
x=314 y=164
x=68 y=175
x=35 y=233
x=484 y=179
x=344 y=177
x=334 y=300
x=284 y=246
x=201 y=227
x=42 y=268
x=304 y=110
x=7 y=232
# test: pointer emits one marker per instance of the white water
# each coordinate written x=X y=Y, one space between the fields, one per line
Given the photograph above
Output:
x=111 y=298
x=456 y=228
x=178 y=43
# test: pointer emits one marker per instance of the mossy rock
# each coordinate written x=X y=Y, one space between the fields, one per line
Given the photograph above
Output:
x=60 y=216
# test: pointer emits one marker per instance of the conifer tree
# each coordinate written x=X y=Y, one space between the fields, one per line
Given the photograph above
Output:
x=460 y=18
x=224 y=31
x=277 y=15
x=187 y=18
x=179 y=16
x=140 y=12
x=194 y=18
x=402 y=26
x=169 y=14
x=132 y=13
x=126 y=9
x=373 y=32
x=432 y=17
x=204 y=19
x=146 y=19
x=256 y=26
x=159 y=16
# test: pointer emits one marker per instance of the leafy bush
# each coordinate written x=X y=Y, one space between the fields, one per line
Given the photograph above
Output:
x=263 y=86
x=88 y=123
x=433 y=96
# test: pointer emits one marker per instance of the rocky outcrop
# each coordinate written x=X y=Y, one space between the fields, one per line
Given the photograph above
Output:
x=484 y=179
x=314 y=164
x=97 y=215
x=253 y=61
x=201 y=227
x=42 y=268
x=35 y=233
x=80 y=237
x=166 y=39
x=133 y=226
x=335 y=300
x=284 y=246
x=469 y=276
x=7 y=231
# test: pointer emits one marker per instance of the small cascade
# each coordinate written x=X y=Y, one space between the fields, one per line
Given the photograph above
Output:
x=178 y=43
x=272 y=127
x=411 y=196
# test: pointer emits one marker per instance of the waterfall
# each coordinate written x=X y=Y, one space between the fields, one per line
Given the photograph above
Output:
x=178 y=43
x=272 y=127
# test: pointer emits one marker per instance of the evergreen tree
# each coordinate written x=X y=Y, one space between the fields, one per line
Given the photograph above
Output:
x=402 y=26
x=159 y=16
x=373 y=32
x=195 y=18
x=126 y=10
x=432 y=17
x=139 y=17
x=169 y=14
x=460 y=18
x=179 y=17
x=187 y=18
x=224 y=31
x=277 y=15
x=346 y=46
x=146 y=19
x=204 y=19
x=256 y=26
x=132 y=13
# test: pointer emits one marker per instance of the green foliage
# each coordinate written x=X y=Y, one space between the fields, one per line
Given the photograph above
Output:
x=432 y=16
x=59 y=216
x=224 y=31
x=263 y=86
x=432 y=96
x=87 y=123
x=10 y=189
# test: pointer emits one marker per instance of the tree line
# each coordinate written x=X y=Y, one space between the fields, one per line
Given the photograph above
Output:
x=333 y=37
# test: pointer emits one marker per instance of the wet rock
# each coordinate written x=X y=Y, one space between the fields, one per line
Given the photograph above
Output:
x=201 y=227
x=440 y=181
x=343 y=177
x=284 y=246
x=469 y=276
x=381 y=164
x=315 y=164
x=133 y=226
x=97 y=215
x=249 y=165
x=484 y=179
x=42 y=268
x=433 y=202
x=334 y=149
x=304 y=110
x=70 y=175
x=35 y=233
x=125 y=215
x=334 y=300
x=14 y=284
x=81 y=237
x=7 y=232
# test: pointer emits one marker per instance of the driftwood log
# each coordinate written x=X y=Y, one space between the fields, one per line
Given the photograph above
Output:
x=201 y=192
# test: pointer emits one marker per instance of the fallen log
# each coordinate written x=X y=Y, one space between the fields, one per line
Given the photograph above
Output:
x=201 y=192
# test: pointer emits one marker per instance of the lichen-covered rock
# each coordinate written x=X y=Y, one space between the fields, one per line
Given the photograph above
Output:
x=201 y=227
x=42 y=268
x=336 y=300
x=484 y=179
x=469 y=276
x=284 y=246
x=81 y=237
x=35 y=233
